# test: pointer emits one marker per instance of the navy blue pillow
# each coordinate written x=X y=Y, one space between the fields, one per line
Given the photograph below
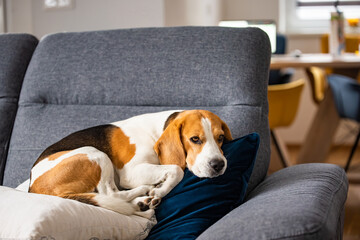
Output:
x=197 y=203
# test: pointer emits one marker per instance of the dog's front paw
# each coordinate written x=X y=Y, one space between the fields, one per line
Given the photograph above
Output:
x=154 y=203
x=147 y=202
x=143 y=203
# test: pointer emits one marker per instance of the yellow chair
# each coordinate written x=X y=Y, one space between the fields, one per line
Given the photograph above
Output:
x=283 y=105
x=317 y=77
x=352 y=42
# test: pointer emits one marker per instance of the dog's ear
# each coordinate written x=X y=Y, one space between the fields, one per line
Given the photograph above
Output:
x=227 y=133
x=169 y=147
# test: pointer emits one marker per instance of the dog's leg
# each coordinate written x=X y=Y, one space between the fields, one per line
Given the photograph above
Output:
x=138 y=196
x=131 y=194
x=106 y=184
x=108 y=193
x=173 y=175
x=165 y=177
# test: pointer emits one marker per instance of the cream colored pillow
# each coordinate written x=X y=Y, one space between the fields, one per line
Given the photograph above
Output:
x=34 y=216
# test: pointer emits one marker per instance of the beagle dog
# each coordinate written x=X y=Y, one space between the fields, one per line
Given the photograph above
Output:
x=146 y=154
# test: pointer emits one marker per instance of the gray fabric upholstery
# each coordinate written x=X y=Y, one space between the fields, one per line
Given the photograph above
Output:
x=15 y=54
x=301 y=202
x=77 y=80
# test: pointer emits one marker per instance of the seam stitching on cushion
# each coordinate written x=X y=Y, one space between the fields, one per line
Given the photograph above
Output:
x=230 y=105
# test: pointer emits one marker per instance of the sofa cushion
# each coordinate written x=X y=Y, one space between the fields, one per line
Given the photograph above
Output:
x=35 y=216
x=196 y=203
x=16 y=51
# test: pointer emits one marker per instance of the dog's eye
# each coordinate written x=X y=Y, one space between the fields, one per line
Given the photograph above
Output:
x=221 y=138
x=195 y=140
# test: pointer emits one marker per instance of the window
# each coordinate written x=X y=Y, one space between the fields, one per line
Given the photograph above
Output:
x=306 y=16
x=321 y=9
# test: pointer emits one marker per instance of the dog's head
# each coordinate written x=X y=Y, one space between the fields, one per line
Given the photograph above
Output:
x=194 y=138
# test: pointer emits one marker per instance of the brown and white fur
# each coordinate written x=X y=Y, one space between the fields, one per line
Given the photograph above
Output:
x=146 y=154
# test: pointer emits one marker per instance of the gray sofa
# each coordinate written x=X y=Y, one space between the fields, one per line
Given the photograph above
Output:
x=70 y=81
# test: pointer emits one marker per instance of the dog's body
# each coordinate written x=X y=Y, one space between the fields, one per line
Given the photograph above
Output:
x=146 y=154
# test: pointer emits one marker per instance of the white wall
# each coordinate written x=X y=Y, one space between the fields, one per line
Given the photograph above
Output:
x=192 y=12
x=30 y=16
x=250 y=9
x=19 y=16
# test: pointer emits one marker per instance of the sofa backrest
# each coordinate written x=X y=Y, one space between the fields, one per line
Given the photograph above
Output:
x=78 y=80
x=15 y=54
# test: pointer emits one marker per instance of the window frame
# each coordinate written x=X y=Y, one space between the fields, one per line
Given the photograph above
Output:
x=295 y=25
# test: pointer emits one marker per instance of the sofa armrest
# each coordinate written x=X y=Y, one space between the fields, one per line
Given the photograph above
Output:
x=300 y=202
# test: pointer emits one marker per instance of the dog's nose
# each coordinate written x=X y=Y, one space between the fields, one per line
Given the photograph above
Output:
x=217 y=164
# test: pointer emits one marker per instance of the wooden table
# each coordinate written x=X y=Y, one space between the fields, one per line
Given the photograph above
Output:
x=319 y=137
x=319 y=60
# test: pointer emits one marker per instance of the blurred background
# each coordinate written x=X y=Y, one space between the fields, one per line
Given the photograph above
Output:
x=302 y=29
x=302 y=22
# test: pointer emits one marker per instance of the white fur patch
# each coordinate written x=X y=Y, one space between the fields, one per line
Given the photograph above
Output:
x=210 y=151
